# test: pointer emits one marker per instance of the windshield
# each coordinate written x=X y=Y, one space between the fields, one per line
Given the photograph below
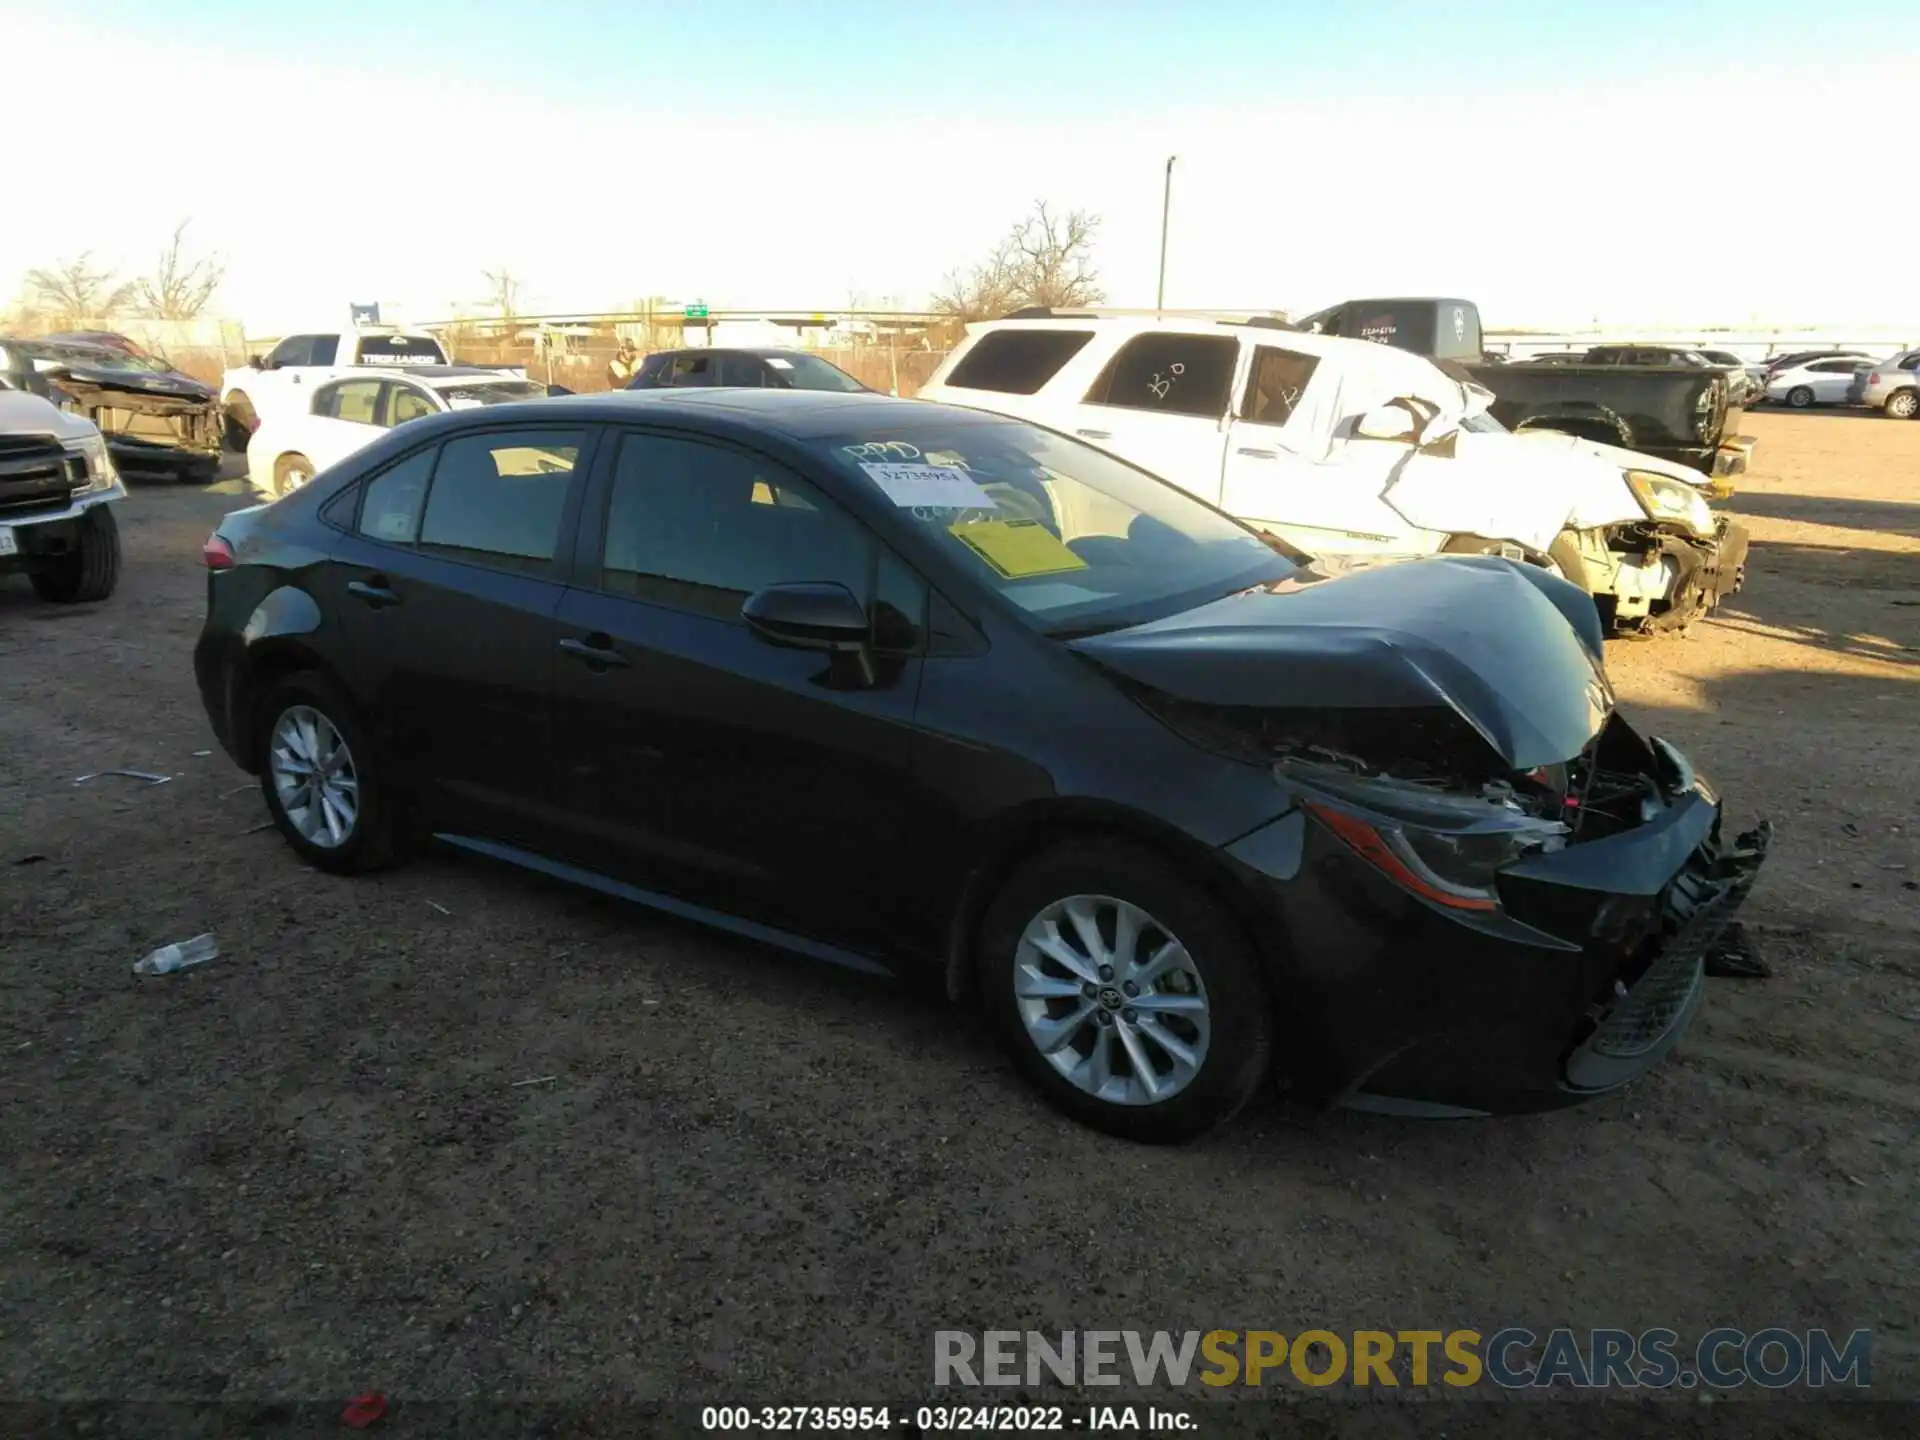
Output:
x=1079 y=541
x=490 y=392
x=810 y=372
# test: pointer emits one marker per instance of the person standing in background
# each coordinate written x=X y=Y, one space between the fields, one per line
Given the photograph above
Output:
x=620 y=369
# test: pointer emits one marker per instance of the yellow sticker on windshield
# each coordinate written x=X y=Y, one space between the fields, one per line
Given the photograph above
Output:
x=1018 y=548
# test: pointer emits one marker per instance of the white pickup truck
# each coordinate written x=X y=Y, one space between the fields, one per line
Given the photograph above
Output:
x=1342 y=447
x=281 y=380
x=57 y=490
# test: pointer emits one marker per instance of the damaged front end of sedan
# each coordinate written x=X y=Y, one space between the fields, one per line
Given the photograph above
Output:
x=1491 y=891
x=157 y=421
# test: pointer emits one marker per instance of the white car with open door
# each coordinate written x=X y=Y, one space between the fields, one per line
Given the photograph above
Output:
x=353 y=408
x=1341 y=447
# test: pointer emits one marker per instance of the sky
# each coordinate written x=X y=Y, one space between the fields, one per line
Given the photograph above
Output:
x=1558 y=163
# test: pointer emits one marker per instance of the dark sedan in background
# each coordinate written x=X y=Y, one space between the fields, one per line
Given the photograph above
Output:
x=766 y=368
x=922 y=690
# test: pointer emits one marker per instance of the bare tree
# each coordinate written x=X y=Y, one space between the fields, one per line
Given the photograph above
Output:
x=503 y=291
x=179 y=288
x=1044 y=260
x=74 y=291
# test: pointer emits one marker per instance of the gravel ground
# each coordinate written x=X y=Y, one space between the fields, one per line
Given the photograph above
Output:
x=459 y=1133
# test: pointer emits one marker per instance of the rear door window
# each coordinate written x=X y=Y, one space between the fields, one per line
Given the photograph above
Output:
x=689 y=370
x=497 y=499
x=355 y=400
x=1017 y=362
x=1170 y=374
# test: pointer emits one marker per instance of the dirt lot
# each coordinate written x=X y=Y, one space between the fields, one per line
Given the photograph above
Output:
x=312 y=1169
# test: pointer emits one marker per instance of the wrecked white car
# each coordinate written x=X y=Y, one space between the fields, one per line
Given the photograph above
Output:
x=1341 y=447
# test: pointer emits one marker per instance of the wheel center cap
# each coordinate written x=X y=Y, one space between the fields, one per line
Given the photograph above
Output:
x=1112 y=998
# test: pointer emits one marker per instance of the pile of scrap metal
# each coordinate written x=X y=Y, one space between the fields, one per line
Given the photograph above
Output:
x=156 y=420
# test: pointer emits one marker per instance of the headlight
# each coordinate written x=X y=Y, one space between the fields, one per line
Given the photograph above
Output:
x=1668 y=499
x=100 y=472
x=1445 y=847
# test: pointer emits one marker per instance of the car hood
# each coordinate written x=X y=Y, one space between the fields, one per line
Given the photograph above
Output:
x=170 y=384
x=1488 y=639
x=1616 y=455
x=24 y=413
x=1504 y=487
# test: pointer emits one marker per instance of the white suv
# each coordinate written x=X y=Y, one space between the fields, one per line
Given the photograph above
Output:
x=1343 y=447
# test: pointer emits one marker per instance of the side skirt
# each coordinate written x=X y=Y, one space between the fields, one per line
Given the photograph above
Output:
x=719 y=920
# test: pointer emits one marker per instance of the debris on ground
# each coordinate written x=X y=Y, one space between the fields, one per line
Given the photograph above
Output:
x=364 y=1410
x=438 y=906
x=1734 y=956
x=146 y=775
x=201 y=754
x=537 y=1080
x=178 y=956
x=33 y=859
x=256 y=829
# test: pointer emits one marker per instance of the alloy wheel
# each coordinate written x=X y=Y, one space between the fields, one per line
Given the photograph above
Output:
x=1111 y=999
x=314 y=777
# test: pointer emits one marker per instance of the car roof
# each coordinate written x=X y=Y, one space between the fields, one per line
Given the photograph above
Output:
x=793 y=414
x=759 y=352
x=421 y=372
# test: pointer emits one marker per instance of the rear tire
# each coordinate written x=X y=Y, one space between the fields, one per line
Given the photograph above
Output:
x=1199 y=1016
x=290 y=472
x=1800 y=397
x=1903 y=406
x=91 y=570
x=309 y=741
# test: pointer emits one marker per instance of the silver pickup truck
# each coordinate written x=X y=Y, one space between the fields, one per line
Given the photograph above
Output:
x=57 y=488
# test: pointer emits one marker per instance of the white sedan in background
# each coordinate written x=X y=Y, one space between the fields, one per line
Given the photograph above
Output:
x=352 y=410
x=1817 y=382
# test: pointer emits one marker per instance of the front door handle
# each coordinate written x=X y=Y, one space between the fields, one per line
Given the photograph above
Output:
x=596 y=652
x=374 y=592
x=1255 y=454
x=1094 y=434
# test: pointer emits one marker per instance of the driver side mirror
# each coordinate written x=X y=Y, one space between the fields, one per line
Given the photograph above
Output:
x=807 y=616
x=812 y=615
x=1387 y=422
x=255 y=362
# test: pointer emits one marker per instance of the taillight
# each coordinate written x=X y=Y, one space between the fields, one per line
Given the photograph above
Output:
x=217 y=553
x=1874 y=378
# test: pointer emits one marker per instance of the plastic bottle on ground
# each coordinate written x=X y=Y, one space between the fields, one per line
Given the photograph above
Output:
x=178 y=956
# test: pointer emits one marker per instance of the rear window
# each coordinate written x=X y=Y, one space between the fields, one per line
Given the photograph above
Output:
x=1017 y=362
x=399 y=350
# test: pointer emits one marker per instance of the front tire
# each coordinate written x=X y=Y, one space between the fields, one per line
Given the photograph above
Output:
x=238 y=422
x=90 y=571
x=1903 y=406
x=290 y=472
x=1125 y=993
x=321 y=778
x=1800 y=397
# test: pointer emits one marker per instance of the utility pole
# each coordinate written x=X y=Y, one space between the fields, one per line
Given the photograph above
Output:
x=1166 y=200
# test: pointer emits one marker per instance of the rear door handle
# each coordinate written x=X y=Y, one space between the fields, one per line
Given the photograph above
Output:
x=1251 y=452
x=374 y=592
x=596 y=652
x=1094 y=434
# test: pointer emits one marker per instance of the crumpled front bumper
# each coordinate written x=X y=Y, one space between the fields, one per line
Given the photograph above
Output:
x=1586 y=978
